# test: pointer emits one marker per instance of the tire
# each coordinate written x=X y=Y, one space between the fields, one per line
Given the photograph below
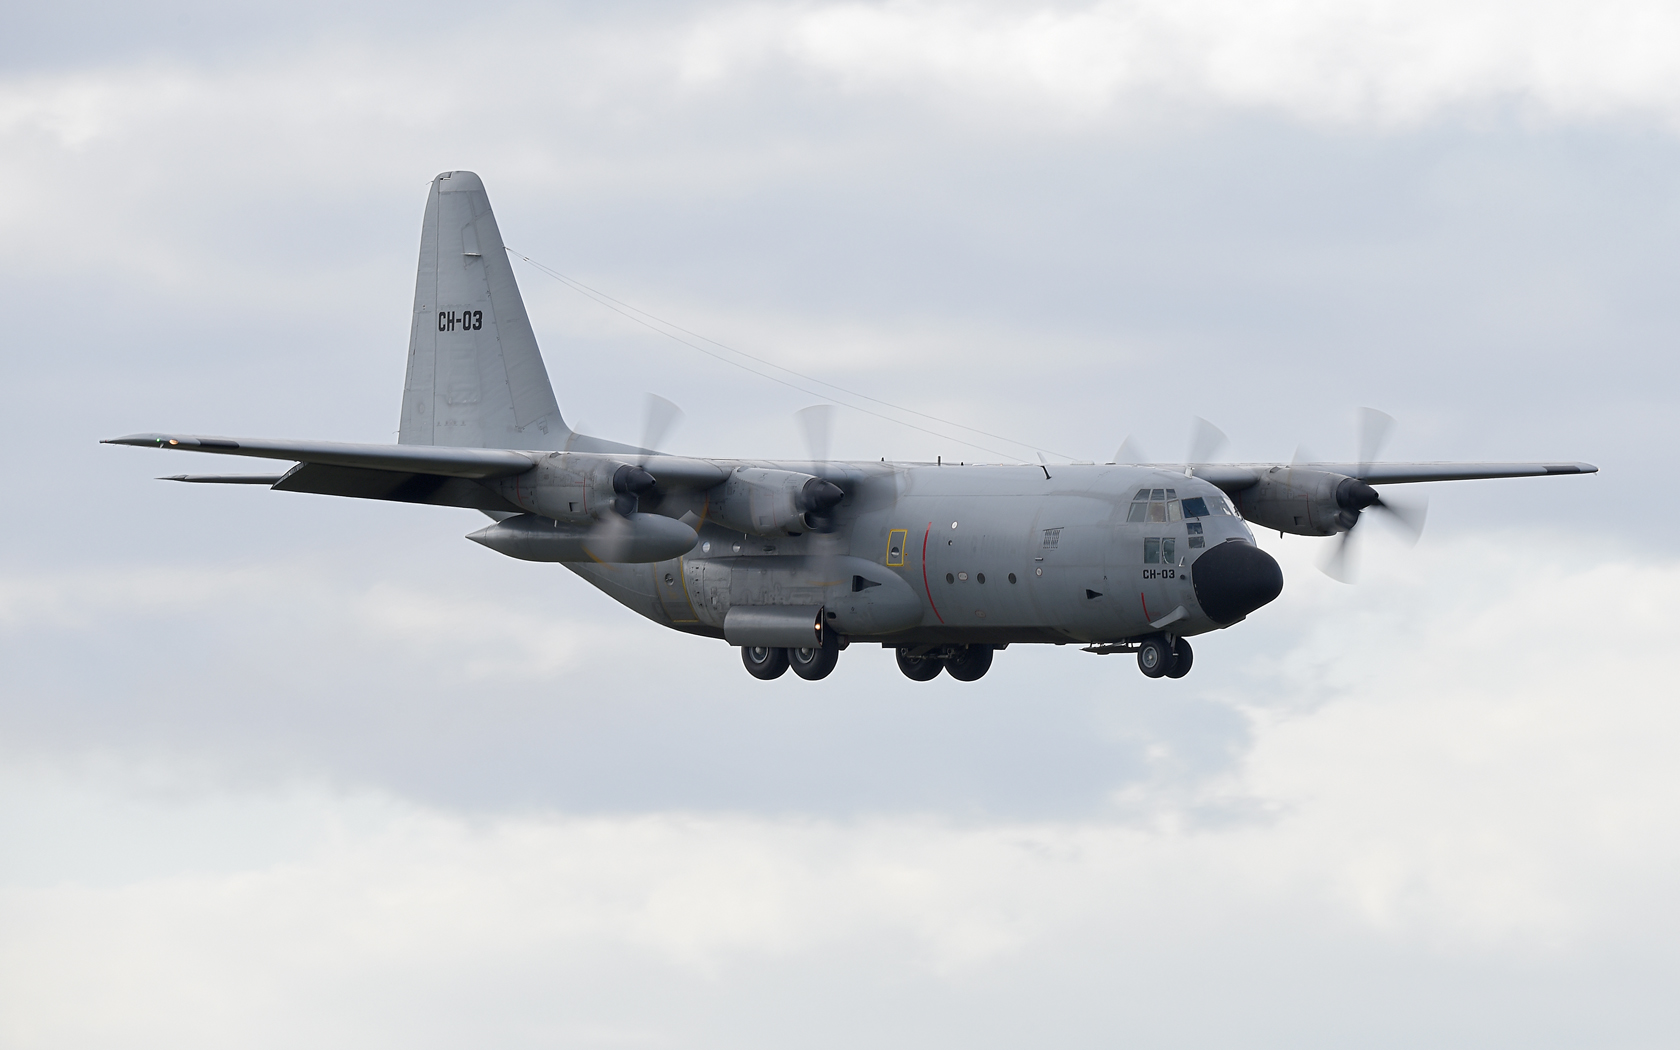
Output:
x=812 y=664
x=1155 y=656
x=919 y=668
x=764 y=662
x=1182 y=659
x=970 y=663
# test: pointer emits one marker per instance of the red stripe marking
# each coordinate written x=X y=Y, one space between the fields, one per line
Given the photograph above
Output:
x=925 y=586
x=1146 y=617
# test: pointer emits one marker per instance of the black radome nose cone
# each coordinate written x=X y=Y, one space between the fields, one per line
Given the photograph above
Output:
x=1234 y=579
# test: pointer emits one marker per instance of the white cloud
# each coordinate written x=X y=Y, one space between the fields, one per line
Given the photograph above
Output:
x=1378 y=60
x=1441 y=775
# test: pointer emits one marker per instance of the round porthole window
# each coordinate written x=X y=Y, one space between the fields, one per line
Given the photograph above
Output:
x=1039 y=571
x=980 y=578
x=950 y=579
x=669 y=579
x=1011 y=577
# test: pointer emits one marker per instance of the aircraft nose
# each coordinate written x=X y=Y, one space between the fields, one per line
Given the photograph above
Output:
x=1234 y=579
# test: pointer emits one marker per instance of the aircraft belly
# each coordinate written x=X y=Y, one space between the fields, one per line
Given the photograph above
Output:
x=637 y=588
x=862 y=599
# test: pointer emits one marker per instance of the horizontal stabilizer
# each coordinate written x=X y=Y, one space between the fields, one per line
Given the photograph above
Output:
x=412 y=459
x=225 y=479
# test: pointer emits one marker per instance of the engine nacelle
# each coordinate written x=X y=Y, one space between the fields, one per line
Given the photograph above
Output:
x=767 y=502
x=1304 y=502
x=571 y=490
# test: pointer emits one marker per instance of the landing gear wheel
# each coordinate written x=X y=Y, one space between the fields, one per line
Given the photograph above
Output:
x=919 y=668
x=969 y=663
x=764 y=662
x=812 y=664
x=1182 y=659
x=1155 y=656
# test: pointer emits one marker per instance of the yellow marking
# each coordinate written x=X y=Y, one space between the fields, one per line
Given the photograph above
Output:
x=900 y=539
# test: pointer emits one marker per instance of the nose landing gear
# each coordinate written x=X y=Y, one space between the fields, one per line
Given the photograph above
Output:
x=1161 y=657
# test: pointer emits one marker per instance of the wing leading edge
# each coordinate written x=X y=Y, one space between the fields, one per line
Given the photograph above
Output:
x=1234 y=477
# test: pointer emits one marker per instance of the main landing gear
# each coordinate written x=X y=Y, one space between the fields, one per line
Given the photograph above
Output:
x=1163 y=657
x=965 y=663
x=766 y=662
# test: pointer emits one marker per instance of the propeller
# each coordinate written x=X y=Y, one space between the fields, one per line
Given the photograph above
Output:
x=816 y=424
x=610 y=538
x=1130 y=452
x=819 y=497
x=1206 y=441
x=659 y=416
x=1354 y=497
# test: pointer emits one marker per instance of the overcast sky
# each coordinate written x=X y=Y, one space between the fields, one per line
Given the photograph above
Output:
x=280 y=770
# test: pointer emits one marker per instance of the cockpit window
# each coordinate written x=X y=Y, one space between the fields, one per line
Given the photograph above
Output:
x=1158 y=494
x=1195 y=507
x=1139 y=512
x=1142 y=496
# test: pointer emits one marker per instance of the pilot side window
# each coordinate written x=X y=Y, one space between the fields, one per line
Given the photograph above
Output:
x=1160 y=550
x=1194 y=528
x=1195 y=507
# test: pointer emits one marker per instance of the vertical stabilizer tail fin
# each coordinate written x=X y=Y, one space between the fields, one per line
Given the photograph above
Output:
x=475 y=376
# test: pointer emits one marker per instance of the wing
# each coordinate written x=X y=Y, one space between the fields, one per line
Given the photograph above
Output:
x=1234 y=477
x=443 y=460
x=440 y=475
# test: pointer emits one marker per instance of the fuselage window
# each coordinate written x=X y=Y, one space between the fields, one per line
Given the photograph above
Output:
x=1194 y=528
x=1159 y=550
x=1162 y=506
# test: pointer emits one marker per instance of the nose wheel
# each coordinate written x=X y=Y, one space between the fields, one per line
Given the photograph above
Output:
x=1160 y=657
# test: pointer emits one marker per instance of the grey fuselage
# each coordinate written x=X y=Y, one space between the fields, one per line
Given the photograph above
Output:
x=935 y=555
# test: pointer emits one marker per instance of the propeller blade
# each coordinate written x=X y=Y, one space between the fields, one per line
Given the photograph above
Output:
x=658 y=417
x=1206 y=440
x=1338 y=562
x=609 y=540
x=1406 y=514
x=1374 y=428
x=1130 y=452
x=817 y=424
x=1302 y=455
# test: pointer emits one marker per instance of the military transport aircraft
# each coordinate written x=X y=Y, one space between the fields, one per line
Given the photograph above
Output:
x=795 y=561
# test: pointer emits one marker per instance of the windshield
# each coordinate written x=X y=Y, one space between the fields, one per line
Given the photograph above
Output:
x=1163 y=505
